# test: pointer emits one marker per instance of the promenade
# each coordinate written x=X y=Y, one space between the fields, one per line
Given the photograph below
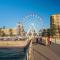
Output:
x=41 y=52
x=36 y=50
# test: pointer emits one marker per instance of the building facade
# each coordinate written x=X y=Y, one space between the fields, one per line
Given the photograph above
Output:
x=18 y=30
x=55 y=20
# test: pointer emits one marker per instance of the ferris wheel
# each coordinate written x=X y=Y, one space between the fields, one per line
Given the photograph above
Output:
x=33 y=20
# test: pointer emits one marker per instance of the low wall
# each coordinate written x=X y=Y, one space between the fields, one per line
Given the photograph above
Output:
x=56 y=41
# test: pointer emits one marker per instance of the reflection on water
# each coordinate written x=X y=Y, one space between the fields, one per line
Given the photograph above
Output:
x=12 y=54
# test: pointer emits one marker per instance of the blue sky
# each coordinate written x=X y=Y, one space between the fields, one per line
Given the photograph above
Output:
x=12 y=11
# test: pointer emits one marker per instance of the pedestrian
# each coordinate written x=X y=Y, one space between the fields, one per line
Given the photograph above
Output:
x=40 y=40
x=36 y=39
x=49 y=40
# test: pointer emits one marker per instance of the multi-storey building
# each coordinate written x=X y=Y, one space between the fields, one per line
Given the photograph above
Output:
x=55 y=20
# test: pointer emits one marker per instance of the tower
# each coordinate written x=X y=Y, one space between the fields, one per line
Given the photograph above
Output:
x=20 y=29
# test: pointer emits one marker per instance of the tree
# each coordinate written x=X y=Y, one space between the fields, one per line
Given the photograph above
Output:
x=59 y=30
x=40 y=32
x=34 y=33
x=10 y=32
x=44 y=33
x=48 y=32
x=53 y=30
x=0 y=31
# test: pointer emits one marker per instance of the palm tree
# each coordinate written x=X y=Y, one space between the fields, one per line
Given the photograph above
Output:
x=44 y=32
x=53 y=30
x=10 y=32
x=59 y=30
x=0 y=31
x=40 y=32
x=48 y=32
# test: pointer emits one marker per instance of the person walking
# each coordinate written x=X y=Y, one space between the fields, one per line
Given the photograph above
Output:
x=49 y=40
x=40 y=40
x=37 y=39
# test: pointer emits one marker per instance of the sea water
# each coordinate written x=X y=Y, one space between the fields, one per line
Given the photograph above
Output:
x=12 y=54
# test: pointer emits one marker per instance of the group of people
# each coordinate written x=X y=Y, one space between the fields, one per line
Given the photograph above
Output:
x=40 y=40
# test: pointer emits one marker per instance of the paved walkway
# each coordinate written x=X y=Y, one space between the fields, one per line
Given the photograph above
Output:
x=41 y=52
